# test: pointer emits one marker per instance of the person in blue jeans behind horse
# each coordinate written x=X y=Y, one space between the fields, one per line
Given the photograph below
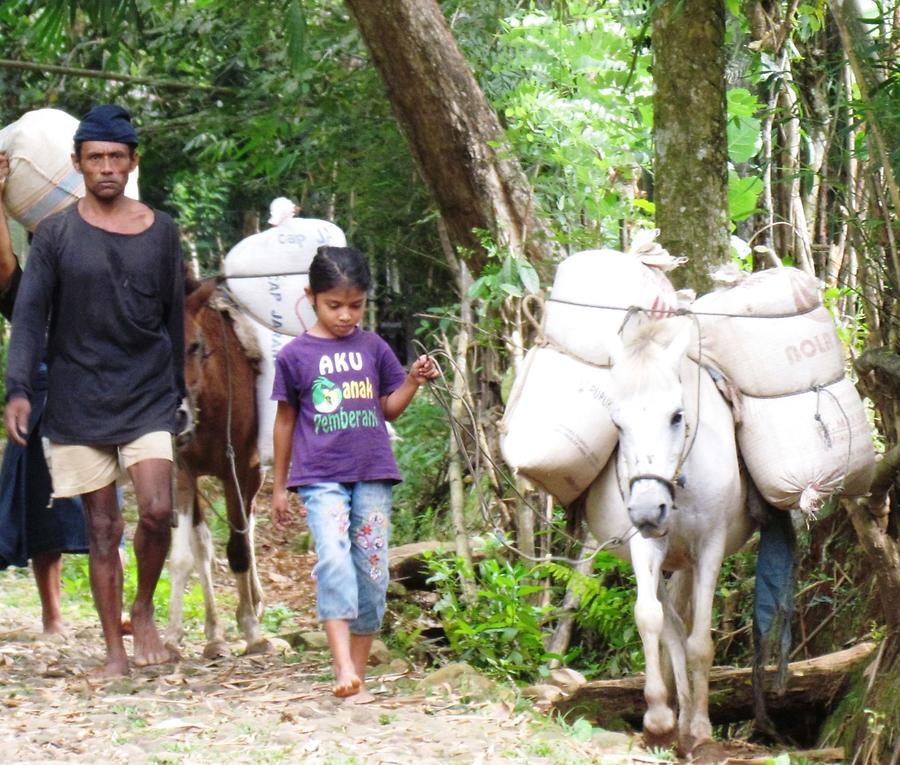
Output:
x=336 y=386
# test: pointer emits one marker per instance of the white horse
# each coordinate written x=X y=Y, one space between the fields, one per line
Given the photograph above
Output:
x=676 y=489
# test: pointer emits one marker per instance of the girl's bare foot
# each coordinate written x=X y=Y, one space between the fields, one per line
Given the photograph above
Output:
x=362 y=697
x=346 y=684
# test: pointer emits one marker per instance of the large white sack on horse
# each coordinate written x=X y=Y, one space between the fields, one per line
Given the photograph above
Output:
x=42 y=179
x=801 y=448
x=268 y=272
x=555 y=430
x=770 y=333
x=270 y=343
x=593 y=289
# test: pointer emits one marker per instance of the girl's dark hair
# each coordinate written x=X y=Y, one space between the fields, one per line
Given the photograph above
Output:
x=338 y=267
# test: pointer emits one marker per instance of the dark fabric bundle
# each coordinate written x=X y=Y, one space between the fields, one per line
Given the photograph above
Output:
x=107 y=123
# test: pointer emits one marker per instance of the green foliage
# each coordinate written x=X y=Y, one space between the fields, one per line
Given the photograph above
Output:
x=275 y=617
x=606 y=608
x=501 y=630
x=76 y=589
x=744 y=142
x=421 y=448
x=504 y=275
x=575 y=97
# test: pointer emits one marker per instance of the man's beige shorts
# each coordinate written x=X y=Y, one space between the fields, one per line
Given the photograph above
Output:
x=77 y=469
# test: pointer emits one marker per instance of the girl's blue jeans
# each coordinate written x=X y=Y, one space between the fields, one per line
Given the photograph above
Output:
x=350 y=524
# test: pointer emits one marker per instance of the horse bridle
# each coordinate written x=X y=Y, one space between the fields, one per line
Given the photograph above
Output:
x=677 y=479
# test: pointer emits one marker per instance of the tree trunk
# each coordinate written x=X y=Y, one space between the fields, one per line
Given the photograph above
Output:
x=815 y=684
x=691 y=146
x=864 y=61
x=454 y=135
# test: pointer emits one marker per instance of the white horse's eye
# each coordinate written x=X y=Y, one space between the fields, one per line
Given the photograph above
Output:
x=677 y=418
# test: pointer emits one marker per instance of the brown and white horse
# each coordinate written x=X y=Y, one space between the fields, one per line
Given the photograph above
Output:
x=220 y=376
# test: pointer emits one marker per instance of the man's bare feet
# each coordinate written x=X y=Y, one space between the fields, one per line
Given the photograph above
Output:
x=346 y=684
x=112 y=668
x=149 y=648
x=54 y=627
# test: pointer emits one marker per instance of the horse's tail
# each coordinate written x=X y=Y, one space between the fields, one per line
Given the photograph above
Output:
x=773 y=606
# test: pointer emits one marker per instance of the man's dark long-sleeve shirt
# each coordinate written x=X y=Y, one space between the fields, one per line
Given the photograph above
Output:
x=115 y=339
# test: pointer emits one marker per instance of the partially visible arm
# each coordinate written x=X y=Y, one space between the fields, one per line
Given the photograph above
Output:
x=283 y=437
x=31 y=315
x=174 y=318
x=8 y=263
x=422 y=370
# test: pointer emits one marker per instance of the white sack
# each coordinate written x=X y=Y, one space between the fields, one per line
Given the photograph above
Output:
x=268 y=272
x=801 y=448
x=770 y=334
x=592 y=291
x=270 y=343
x=42 y=179
x=556 y=430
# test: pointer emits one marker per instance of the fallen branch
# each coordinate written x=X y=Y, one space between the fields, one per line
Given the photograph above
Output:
x=814 y=684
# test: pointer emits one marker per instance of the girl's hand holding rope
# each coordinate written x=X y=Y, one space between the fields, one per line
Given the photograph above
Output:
x=424 y=369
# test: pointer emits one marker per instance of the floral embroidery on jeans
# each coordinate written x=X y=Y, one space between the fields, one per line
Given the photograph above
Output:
x=342 y=518
x=371 y=537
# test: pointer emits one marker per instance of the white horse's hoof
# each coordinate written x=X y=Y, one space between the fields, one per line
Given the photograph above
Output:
x=659 y=724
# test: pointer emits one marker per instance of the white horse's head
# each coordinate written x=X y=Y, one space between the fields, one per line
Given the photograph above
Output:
x=647 y=407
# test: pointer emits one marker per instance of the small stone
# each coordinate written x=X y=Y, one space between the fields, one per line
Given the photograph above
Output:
x=396 y=590
x=379 y=653
x=400 y=665
x=315 y=640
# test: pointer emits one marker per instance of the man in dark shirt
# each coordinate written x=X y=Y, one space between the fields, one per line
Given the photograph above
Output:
x=105 y=275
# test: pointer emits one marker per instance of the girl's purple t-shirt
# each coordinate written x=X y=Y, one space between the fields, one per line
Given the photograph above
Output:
x=336 y=387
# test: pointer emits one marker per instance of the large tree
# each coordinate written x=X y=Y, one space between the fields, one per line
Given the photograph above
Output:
x=690 y=163
x=452 y=130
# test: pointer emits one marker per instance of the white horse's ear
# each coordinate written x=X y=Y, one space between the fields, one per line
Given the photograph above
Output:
x=614 y=347
x=682 y=334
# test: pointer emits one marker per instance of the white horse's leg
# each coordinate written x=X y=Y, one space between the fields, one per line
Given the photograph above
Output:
x=646 y=558
x=181 y=557
x=700 y=647
x=678 y=621
x=249 y=590
x=202 y=547
x=181 y=563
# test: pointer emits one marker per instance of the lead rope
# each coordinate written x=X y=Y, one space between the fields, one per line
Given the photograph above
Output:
x=229 y=446
x=441 y=394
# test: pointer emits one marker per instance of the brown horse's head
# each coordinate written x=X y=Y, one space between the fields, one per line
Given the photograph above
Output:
x=197 y=295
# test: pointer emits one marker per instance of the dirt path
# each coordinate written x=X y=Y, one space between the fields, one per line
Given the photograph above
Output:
x=269 y=709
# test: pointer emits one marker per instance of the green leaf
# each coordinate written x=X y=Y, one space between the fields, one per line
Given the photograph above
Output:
x=582 y=730
x=744 y=139
x=742 y=195
x=528 y=275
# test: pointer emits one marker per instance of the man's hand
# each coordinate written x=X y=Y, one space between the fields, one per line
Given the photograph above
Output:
x=16 y=416
x=184 y=420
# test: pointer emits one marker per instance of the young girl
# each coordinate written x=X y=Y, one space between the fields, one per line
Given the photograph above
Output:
x=336 y=385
